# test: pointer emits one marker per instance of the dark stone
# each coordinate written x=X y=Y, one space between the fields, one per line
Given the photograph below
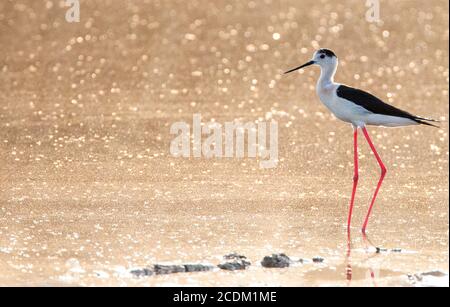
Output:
x=234 y=256
x=142 y=272
x=198 y=268
x=168 y=269
x=234 y=265
x=396 y=250
x=380 y=250
x=434 y=273
x=236 y=262
x=318 y=259
x=276 y=261
x=159 y=269
x=421 y=280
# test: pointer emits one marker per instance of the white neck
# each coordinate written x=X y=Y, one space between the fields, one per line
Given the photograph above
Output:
x=327 y=75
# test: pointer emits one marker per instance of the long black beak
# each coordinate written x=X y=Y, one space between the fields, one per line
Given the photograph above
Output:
x=300 y=67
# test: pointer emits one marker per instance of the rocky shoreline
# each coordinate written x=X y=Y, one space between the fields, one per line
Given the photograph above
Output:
x=232 y=262
x=237 y=262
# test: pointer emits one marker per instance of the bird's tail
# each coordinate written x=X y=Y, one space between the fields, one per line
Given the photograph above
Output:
x=426 y=121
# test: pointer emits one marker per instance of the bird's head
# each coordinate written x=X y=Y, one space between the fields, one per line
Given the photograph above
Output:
x=325 y=58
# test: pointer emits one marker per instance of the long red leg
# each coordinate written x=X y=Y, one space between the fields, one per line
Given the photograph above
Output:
x=380 y=181
x=355 y=178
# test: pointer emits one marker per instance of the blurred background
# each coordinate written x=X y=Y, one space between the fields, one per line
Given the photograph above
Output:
x=89 y=189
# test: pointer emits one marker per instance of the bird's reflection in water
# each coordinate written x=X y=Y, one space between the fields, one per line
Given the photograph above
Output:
x=369 y=255
x=348 y=263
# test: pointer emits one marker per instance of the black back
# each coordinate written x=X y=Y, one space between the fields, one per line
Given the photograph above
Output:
x=371 y=103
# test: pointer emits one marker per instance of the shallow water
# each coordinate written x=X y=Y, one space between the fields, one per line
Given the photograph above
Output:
x=90 y=190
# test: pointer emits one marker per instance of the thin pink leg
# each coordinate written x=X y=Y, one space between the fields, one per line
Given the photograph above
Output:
x=355 y=178
x=380 y=181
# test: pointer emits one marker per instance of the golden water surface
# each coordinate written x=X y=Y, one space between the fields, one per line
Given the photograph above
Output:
x=89 y=189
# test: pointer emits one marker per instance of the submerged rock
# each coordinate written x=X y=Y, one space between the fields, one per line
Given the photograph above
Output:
x=234 y=256
x=276 y=261
x=238 y=262
x=318 y=259
x=429 y=279
x=380 y=250
x=198 y=267
x=168 y=269
x=434 y=273
x=159 y=269
x=142 y=272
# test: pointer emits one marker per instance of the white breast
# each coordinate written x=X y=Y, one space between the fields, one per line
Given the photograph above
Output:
x=343 y=109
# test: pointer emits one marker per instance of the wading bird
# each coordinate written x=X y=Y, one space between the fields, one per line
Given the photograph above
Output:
x=360 y=109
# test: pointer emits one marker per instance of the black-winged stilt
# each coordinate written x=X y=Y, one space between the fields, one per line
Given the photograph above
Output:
x=360 y=109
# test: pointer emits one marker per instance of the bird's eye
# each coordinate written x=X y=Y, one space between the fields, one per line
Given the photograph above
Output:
x=322 y=56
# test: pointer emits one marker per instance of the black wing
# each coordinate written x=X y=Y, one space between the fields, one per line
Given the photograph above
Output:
x=375 y=105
